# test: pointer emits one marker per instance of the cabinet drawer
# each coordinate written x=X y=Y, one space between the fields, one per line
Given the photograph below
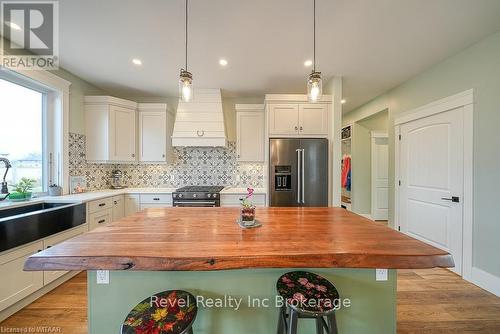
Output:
x=100 y=218
x=156 y=198
x=234 y=199
x=101 y=204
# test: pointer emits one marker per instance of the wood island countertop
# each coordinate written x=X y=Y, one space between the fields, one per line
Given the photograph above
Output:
x=209 y=239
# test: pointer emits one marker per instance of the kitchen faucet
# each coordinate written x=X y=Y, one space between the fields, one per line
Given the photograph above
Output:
x=5 y=189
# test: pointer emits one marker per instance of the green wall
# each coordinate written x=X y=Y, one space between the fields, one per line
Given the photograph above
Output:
x=476 y=67
x=372 y=310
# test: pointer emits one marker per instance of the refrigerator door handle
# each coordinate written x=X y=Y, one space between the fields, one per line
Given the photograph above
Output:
x=302 y=172
x=299 y=173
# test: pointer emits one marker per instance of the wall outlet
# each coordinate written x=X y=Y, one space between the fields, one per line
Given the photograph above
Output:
x=102 y=276
x=381 y=274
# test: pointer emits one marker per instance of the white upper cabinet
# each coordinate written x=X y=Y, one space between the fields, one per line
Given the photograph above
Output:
x=155 y=124
x=110 y=128
x=313 y=119
x=283 y=119
x=293 y=116
x=250 y=125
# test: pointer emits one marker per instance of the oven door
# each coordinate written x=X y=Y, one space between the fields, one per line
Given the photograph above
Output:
x=196 y=203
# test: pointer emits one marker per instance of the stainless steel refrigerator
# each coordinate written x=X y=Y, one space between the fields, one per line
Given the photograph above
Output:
x=298 y=172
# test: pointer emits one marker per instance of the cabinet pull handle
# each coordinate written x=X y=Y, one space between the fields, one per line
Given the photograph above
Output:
x=101 y=221
x=102 y=204
x=49 y=246
x=116 y=202
x=156 y=199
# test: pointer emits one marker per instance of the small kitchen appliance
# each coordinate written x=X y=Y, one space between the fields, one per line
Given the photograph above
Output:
x=117 y=179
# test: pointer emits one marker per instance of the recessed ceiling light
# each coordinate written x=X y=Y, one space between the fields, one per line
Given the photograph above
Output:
x=13 y=25
x=308 y=63
x=343 y=101
x=137 y=61
x=222 y=62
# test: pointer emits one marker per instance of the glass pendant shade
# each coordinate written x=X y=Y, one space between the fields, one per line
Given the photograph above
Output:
x=314 y=87
x=186 y=86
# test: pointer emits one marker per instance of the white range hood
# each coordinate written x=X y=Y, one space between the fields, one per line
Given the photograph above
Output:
x=201 y=121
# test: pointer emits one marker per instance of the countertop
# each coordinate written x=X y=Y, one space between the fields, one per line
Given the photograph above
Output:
x=209 y=239
x=98 y=194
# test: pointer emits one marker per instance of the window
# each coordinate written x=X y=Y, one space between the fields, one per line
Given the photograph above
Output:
x=23 y=134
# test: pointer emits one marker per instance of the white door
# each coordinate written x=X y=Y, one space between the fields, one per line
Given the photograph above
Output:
x=313 y=119
x=431 y=169
x=250 y=136
x=283 y=119
x=152 y=136
x=122 y=133
x=380 y=177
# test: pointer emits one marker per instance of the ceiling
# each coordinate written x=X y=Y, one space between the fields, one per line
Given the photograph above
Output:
x=374 y=44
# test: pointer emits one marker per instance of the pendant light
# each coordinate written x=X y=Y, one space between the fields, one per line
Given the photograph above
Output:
x=314 y=82
x=186 y=78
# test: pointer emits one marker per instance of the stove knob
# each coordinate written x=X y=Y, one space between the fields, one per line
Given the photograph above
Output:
x=214 y=195
x=180 y=195
x=194 y=195
x=209 y=195
x=175 y=195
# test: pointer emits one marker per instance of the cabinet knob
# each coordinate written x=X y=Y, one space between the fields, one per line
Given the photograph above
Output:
x=163 y=156
x=200 y=133
x=301 y=128
x=133 y=155
x=296 y=128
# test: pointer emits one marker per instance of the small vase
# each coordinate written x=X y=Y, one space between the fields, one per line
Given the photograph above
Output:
x=248 y=215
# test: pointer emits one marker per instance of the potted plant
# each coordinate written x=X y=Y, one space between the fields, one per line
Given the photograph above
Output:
x=247 y=209
x=22 y=190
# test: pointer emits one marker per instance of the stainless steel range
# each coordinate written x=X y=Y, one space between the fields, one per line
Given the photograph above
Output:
x=197 y=196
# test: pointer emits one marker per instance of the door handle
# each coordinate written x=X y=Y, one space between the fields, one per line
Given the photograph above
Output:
x=302 y=172
x=298 y=176
x=454 y=199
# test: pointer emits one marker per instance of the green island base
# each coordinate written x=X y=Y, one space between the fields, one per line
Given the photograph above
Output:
x=372 y=309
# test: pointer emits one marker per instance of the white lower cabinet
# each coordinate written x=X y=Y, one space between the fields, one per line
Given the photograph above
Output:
x=118 y=207
x=156 y=201
x=100 y=218
x=16 y=284
x=50 y=276
x=132 y=204
x=233 y=200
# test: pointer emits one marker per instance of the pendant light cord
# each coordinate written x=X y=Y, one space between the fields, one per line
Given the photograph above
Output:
x=186 y=44
x=314 y=35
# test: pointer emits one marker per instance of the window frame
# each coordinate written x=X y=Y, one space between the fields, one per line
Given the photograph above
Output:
x=55 y=122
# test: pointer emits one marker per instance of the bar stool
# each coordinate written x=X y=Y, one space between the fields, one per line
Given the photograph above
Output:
x=307 y=295
x=171 y=311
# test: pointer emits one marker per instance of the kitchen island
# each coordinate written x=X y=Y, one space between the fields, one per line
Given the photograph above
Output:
x=204 y=251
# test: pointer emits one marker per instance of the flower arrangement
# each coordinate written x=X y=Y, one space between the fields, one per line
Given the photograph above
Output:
x=248 y=209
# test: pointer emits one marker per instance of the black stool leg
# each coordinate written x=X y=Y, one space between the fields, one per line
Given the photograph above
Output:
x=292 y=324
x=319 y=325
x=332 y=324
x=282 y=320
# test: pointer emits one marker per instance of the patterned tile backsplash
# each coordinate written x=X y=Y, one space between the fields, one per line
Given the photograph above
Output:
x=190 y=166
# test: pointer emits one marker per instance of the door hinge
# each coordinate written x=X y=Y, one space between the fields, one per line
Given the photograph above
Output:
x=400 y=137
x=399 y=228
x=399 y=182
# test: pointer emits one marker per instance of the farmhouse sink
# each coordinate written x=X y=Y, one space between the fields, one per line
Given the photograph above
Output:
x=25 y=224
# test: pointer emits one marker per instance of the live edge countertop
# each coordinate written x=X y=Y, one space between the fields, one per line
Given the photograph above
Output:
x=209 y=239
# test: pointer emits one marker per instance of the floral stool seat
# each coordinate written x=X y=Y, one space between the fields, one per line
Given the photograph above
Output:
x=307 y=295
x=171 y=312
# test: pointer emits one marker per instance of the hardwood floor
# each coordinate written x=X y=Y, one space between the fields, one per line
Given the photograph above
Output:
x=430 y=301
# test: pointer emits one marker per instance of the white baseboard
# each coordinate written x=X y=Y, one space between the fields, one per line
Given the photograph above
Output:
x=485 y=280
x=367 y=216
